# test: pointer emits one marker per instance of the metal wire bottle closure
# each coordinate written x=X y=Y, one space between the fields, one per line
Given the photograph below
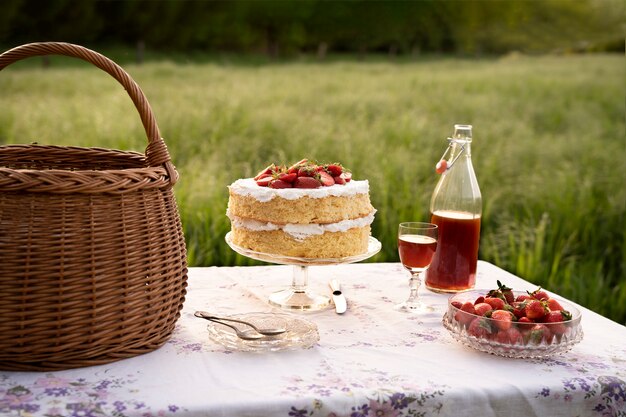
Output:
x=462 y=136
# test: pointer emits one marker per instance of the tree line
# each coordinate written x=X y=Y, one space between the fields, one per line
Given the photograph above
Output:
x=283 y=27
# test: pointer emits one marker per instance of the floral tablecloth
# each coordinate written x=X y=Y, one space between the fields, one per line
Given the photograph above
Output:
x=370 y=361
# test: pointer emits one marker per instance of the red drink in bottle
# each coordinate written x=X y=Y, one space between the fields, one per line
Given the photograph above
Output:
x=456 y=207
x=454 y=266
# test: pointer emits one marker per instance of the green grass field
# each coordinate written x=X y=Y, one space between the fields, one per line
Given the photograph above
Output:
x=549 y=145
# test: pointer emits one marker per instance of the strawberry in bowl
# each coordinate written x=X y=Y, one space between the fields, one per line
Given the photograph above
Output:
x=513 y=323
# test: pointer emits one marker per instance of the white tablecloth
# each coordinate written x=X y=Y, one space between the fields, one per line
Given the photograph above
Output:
x=371 y=361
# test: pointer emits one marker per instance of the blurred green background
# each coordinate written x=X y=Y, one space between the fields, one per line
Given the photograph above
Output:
x=289 y=28
x=377 y=86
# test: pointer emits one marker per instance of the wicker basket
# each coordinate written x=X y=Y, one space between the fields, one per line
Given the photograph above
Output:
x=92 y=255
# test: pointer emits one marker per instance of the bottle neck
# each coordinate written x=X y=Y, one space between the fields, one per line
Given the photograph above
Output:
x=461 y=140
x=460 y=152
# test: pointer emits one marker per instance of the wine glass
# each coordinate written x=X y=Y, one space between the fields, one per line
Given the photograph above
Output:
x=417 y=243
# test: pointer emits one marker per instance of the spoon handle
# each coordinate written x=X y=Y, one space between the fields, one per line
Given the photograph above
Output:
x=205 y=315
x=245 y=335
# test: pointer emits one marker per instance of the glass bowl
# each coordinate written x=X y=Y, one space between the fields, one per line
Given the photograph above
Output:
x=521 y=340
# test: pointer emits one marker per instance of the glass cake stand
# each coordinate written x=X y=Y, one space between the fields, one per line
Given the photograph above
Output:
x=299 y=296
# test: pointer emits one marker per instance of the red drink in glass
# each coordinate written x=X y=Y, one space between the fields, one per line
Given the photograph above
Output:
x=454 y=265
x=416 y=251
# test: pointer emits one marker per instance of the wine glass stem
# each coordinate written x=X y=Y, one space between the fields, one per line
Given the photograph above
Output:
x=414 y=284
x=300 y=278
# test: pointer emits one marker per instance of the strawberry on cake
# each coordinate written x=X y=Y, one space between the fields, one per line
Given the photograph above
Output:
x=306 y=210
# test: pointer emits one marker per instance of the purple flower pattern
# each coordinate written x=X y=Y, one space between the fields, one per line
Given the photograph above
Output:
x=383 y=405
x=405 y=399
x=81 y=398
x=608 y=392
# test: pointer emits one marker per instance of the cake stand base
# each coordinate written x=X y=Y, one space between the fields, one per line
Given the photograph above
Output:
x=291 y=299
x=299 y=296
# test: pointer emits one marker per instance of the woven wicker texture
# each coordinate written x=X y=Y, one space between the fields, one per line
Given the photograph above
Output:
x=92 y=254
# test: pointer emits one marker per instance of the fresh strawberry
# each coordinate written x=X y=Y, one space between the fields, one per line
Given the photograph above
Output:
x=515 y=336
x=265 y=181
x=347 y=176
x=510 y=309
x=296 y=166
x=268 y=170
x=306 y=182
x=503 y=292
x=482 y=308
x=307 y=171
x=497 y=293
x=339 y=180
x=334 y=170
x=456 y=304
x=290 y=178
x=535 y=309
x=522 y=297
x=501 y=337
x=479 y=327
x=280 y=184
x=468 y=307
x=539 y=294
x=479 y=300
x=502 y=319
x=495 y=303
x=326 y=179
x=519 y=309
x=537 y=334
x=466 y=314
x=507 y=292
x=557 y=318
x=554 y=305
x=511 y=336
x=524 y=323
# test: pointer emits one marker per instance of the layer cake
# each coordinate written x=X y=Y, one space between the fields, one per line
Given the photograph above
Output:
x=328 y=221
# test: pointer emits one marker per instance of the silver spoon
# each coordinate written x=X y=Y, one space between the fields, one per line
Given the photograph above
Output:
x=249 y=334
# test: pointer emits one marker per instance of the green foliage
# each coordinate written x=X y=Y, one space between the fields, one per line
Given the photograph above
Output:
x=548 y=151
x=278 y=27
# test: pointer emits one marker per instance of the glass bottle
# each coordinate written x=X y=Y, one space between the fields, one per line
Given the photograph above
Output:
x=456 y=207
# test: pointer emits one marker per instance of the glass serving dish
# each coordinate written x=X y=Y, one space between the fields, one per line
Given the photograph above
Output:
x=521 y=340
x=300 y=334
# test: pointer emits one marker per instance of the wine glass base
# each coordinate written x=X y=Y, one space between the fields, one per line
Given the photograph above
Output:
x=414 y=308
x=291 y=299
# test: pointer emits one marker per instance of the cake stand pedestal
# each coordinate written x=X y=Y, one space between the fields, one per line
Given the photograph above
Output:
x=299 y=296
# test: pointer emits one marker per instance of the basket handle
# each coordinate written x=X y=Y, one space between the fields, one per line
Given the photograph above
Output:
x=156 y=151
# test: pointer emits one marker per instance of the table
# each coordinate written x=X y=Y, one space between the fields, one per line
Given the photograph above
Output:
x=371 y=361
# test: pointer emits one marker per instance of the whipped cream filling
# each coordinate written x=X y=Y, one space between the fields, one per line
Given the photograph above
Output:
x=249 y=187
x=302 y=231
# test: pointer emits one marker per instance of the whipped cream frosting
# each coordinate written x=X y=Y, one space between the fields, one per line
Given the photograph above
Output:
x=302 y=231
x=249 y=187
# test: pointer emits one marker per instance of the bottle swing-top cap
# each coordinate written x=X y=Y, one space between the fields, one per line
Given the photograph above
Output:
x=462 y=133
